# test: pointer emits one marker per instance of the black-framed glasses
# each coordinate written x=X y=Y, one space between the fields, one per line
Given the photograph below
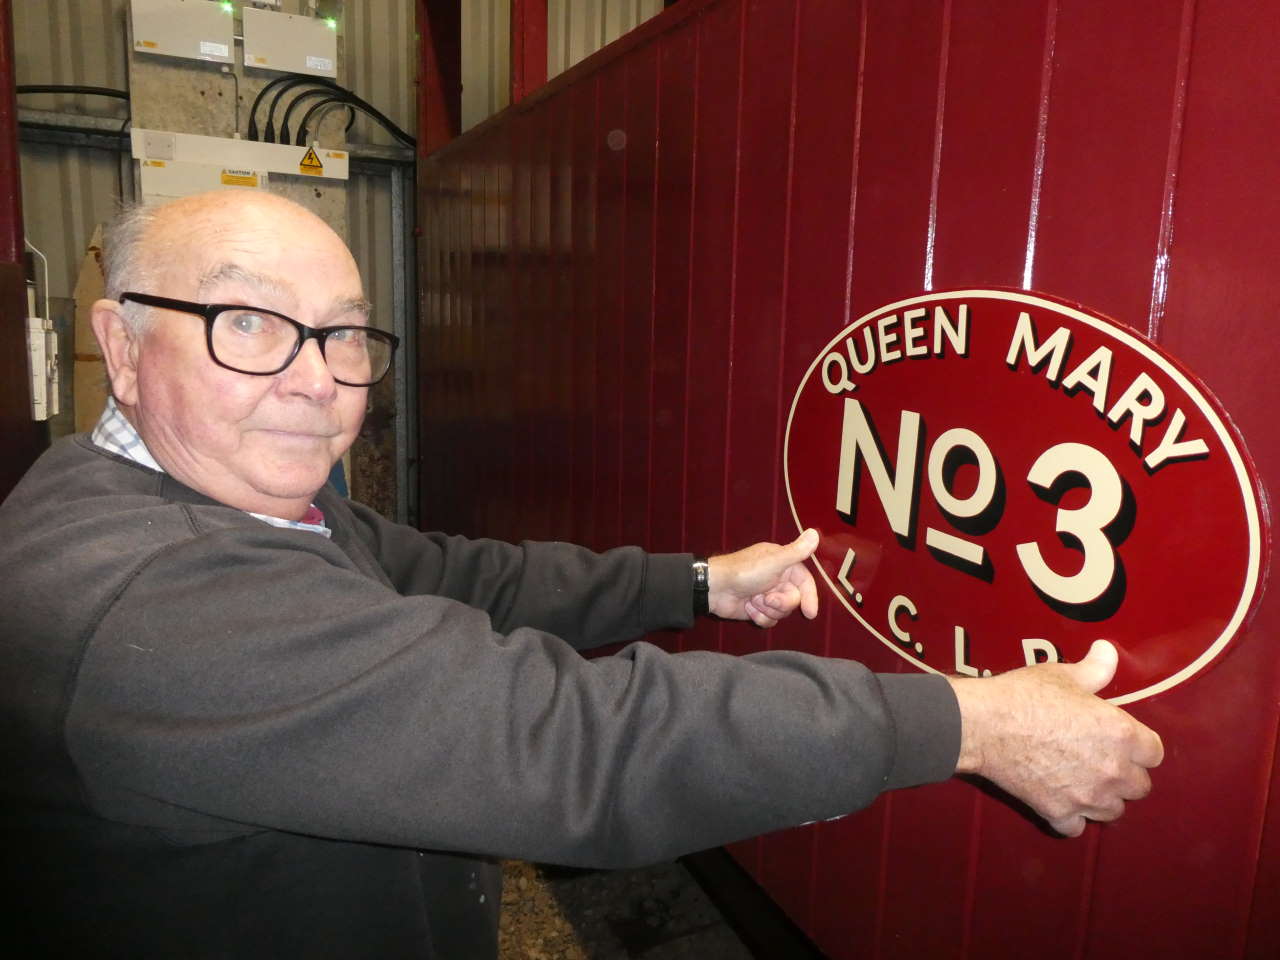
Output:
x=262 y=342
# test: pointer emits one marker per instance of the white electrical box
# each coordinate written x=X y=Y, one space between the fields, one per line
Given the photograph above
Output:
x=42 y=344
x=169 y=179
x=190 y=29
x=235 y=158
x=290 y=43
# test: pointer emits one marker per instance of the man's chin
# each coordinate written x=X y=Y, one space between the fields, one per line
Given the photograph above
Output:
x=291 y=480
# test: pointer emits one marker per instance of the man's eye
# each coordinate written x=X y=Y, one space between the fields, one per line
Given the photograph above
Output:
x=348 y=336
x=249 y=323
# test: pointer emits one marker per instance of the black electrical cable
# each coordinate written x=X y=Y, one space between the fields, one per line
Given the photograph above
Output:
x=312 y=111
x=282 y=135
x=329 y=99
x=382 y=118
x=337 y=91
x=287 y=83
x=363 y=107
x=71 y=88
x=269 y=133
x=253 y=112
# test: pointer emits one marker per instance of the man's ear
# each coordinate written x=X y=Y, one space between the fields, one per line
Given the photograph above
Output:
x=119 y=347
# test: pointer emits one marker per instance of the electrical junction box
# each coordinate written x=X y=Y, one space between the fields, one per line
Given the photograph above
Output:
x=42 y=344
x=189 y=29
x=179 y=164
x=290 y=43
x=162 y=146
x=169 y=179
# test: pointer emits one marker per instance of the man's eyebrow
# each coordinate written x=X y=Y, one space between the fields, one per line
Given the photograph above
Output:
x=235 y=273
x=352 y=305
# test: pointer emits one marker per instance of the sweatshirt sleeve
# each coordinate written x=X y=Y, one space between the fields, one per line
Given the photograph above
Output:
x=240 y=682
x=585 y=598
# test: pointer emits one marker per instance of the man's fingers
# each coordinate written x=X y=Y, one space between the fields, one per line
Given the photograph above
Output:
x=1139 y=785
x=1149 y=751
x=759 y=614
x=808 y=594
x=1043 y=734
x=1097 y=668
x=778 y=603
x=1071 y=826
x=802 y=547
x=1106 y=812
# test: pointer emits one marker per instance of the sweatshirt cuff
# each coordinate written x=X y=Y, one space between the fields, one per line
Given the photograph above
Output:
x=668 y=591
x=926 y=720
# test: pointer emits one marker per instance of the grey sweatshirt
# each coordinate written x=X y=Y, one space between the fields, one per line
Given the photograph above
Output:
x=230 y=739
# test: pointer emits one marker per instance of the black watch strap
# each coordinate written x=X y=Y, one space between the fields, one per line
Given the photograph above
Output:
x=701 y=587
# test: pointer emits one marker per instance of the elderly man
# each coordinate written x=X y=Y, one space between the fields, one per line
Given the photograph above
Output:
x=248 y=718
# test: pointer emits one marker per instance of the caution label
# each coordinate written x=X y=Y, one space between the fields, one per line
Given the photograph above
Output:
x=239 y=178
x=311 y=164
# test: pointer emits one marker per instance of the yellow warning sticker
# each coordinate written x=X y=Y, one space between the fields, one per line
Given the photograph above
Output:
x=239 y=178
x=335 y=155
x=153 y=163
x=149 y=44
x=311 y=164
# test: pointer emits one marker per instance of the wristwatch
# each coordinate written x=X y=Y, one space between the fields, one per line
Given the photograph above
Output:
x=701 y=587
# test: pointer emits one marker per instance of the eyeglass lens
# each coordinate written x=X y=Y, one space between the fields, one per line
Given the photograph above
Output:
x=254 y=341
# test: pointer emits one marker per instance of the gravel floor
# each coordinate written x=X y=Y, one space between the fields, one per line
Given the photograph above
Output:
x=659 y=913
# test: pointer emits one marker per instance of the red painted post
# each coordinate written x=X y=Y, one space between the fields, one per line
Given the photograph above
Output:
x=23 y=438
x=528 y=47
x=439 y=73
x=11 y=248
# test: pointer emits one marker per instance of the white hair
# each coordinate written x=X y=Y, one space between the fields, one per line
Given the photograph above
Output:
x=124 y=264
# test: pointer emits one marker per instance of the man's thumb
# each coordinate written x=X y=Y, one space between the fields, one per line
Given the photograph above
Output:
x=805 y=544
x=1097 y=668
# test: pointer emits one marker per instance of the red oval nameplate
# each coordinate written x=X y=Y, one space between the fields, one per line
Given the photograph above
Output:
x=1000 y=479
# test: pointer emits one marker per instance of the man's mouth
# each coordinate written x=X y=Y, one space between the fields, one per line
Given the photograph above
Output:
x=300 y=435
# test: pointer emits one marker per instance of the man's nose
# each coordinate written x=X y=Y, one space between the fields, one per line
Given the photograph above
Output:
x=309 y=374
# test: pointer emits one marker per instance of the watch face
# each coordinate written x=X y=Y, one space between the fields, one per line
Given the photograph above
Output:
x=701 y=570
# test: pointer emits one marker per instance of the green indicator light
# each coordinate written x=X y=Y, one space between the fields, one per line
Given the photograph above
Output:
x=333 y=23
x=228 y=7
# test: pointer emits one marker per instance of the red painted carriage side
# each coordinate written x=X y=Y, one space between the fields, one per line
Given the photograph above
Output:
x=558 y=378
x=1108 y=131
x=611 y=269
x=583 y=98
x=536 y=308
x=787 y=167
x=1220 y=279
x=820 y=196
x=715 y=175
x=637 y=322
x=916 y=844
x=751 y=349
x=673 y=211
x=523 y=498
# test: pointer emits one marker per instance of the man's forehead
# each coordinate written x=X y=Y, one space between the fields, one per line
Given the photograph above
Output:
x=226 y=273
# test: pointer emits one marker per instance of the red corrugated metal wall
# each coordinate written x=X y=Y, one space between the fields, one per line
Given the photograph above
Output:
x=625 y=278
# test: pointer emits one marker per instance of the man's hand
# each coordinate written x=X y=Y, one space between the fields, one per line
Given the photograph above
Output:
x=765 y=582
x=1041 y=734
